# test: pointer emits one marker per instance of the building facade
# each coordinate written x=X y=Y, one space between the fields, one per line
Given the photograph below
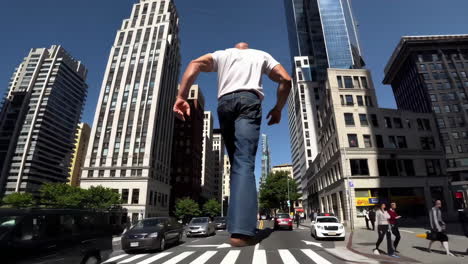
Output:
x=207 y=181
x=186 y=161
x=226 y=184
x=370 y=155
x=266 y=159
x=429 y=74
x=79 y=153
x=322 y=34
x=284 y=167
x=130 y=146
x=38 y=120
x=218 y=163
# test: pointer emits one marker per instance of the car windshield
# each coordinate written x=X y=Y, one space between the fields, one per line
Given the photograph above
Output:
x=327 y=220
x=220 y=219
x=199 y=220
x=283 y=216
x=149 y=223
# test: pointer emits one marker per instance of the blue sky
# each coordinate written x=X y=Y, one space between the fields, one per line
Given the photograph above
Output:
x=87 y=28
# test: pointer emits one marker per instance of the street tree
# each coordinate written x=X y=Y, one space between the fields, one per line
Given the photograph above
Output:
x=98 y=197
x=186 y=208
x=212 y=208
x=19 y=200
x=274 y=192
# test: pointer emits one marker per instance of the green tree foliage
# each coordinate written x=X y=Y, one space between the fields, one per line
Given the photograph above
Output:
x=274 y=192
x=212 y=208
x=98 y=197
x=186 y=208
x=19 y=200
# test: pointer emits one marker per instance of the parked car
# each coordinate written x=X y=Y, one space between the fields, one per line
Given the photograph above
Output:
x=327 y=227
x=56 y=235
x=201 y=226
x=283 y=221
x=220 y=222
x=152 y=233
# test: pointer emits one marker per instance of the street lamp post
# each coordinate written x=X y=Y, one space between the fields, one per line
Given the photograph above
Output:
x=289 y=199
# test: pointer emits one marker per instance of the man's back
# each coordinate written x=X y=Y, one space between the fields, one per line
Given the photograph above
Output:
x=241 y=69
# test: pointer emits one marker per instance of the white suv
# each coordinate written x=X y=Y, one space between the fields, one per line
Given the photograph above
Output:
x=327 y=226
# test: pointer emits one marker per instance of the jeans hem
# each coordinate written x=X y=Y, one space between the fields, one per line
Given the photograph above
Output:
x=241 y=232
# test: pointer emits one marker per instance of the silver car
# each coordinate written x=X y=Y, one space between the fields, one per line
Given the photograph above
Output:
x=201 y=226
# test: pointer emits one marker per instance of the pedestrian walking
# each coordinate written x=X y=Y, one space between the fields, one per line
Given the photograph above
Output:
x=438 y=228
x=383 y=229
x=366 y=218
x=240 y=96
x=394 y=225
x=298 y=219
x=372 y=217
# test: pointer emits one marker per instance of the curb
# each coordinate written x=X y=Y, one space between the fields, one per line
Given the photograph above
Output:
x=383 y=258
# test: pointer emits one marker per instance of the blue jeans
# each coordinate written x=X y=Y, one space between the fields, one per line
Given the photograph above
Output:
x=240 y=116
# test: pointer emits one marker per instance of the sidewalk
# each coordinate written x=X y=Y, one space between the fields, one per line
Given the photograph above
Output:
x=412 y=249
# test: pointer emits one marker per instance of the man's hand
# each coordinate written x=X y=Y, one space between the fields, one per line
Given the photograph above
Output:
x=181 y=108
x=274 y=116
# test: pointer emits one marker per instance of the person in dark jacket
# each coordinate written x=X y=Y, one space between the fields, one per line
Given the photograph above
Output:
x=372 y=217
x=298 y=219
x=394 y=225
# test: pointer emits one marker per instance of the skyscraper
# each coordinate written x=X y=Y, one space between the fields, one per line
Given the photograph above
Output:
x=38 y=120
x=187 y=150
x=218 y=155
x=79 y=153
x=207 y=181
x=131 y=140
x=266 y=159
x=322 y=35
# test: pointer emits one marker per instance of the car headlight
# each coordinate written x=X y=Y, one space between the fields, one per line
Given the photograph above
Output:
x=341 y=227
x=152 y=235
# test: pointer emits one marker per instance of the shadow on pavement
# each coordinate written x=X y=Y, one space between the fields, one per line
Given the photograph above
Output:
x=263 y=234
x=441 y=252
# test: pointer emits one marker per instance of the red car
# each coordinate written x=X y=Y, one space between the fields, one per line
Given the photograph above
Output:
x=283 y=221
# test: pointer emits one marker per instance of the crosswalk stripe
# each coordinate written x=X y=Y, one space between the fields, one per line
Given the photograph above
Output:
x=259 y=257
x=179 y=257
x=204 y=258
x=231 y=257
x=154 y=258
x=115 y=258
x=315 y=257
x=132 y=258
x=287 y=257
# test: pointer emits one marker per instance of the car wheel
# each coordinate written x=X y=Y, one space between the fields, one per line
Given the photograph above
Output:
x=162 y=244
x=92 y=259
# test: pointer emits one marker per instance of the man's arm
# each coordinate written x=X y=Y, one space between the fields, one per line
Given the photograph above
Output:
x=280 y=75
x=203 y=64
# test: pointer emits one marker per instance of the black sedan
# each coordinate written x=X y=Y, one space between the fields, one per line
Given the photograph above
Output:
x=152 y=233
x=220 y=222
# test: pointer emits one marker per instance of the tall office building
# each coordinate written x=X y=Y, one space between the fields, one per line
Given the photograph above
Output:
x=79 y=153
x=226 y=189
x=207 y=181
x=322 y=35
x=38 y=120
x=429 y=74
x=186 y=162
x=371 y=155
x=266 y=159
x=218 y=155
x=131 y=140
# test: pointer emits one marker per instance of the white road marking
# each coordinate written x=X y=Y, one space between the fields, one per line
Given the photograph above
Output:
x=259 y=256
x=204 y=257
x=312 y=243
x=350 y=256
x=231 y=257
x=406 y=231
x=315 y=257
x=115 y=258
x=287 y=257
x=195 y=240
x=135 y=257
x=179 y=257
x=154 y=258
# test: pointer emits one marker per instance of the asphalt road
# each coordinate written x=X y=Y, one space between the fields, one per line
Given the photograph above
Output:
x=289 y=247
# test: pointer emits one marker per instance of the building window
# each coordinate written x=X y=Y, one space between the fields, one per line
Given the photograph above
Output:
x=460 y=148
x=363 y=119
x=359 y=167
x=349 y=100
x=364 y=82
x=433 y=167
x=436 y=109
x=375 y=122
x=125 y=196
x=392 y=141
x=101 y=173
x=349 y=119
x=367 y=141
x=379 y=141
x=455 y=135
x=440 y=122
x=427 y=143
x=388 y=122
x=433 y=97
x=348 y=82
x=402 y=142
x=353 y=141
x=340 y=81
x=397 y=122
x=135 y=196
x=360 y=100
x=448 y=149
x=90 y=174
x=151 y=198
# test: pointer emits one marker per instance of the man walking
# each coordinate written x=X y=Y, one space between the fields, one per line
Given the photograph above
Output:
x=366 y=218
x=372 y=217
x=394 y=225
x=298 y=219
x=240 y=95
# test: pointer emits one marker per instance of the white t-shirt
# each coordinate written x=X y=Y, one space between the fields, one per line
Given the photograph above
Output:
x=241 y=69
